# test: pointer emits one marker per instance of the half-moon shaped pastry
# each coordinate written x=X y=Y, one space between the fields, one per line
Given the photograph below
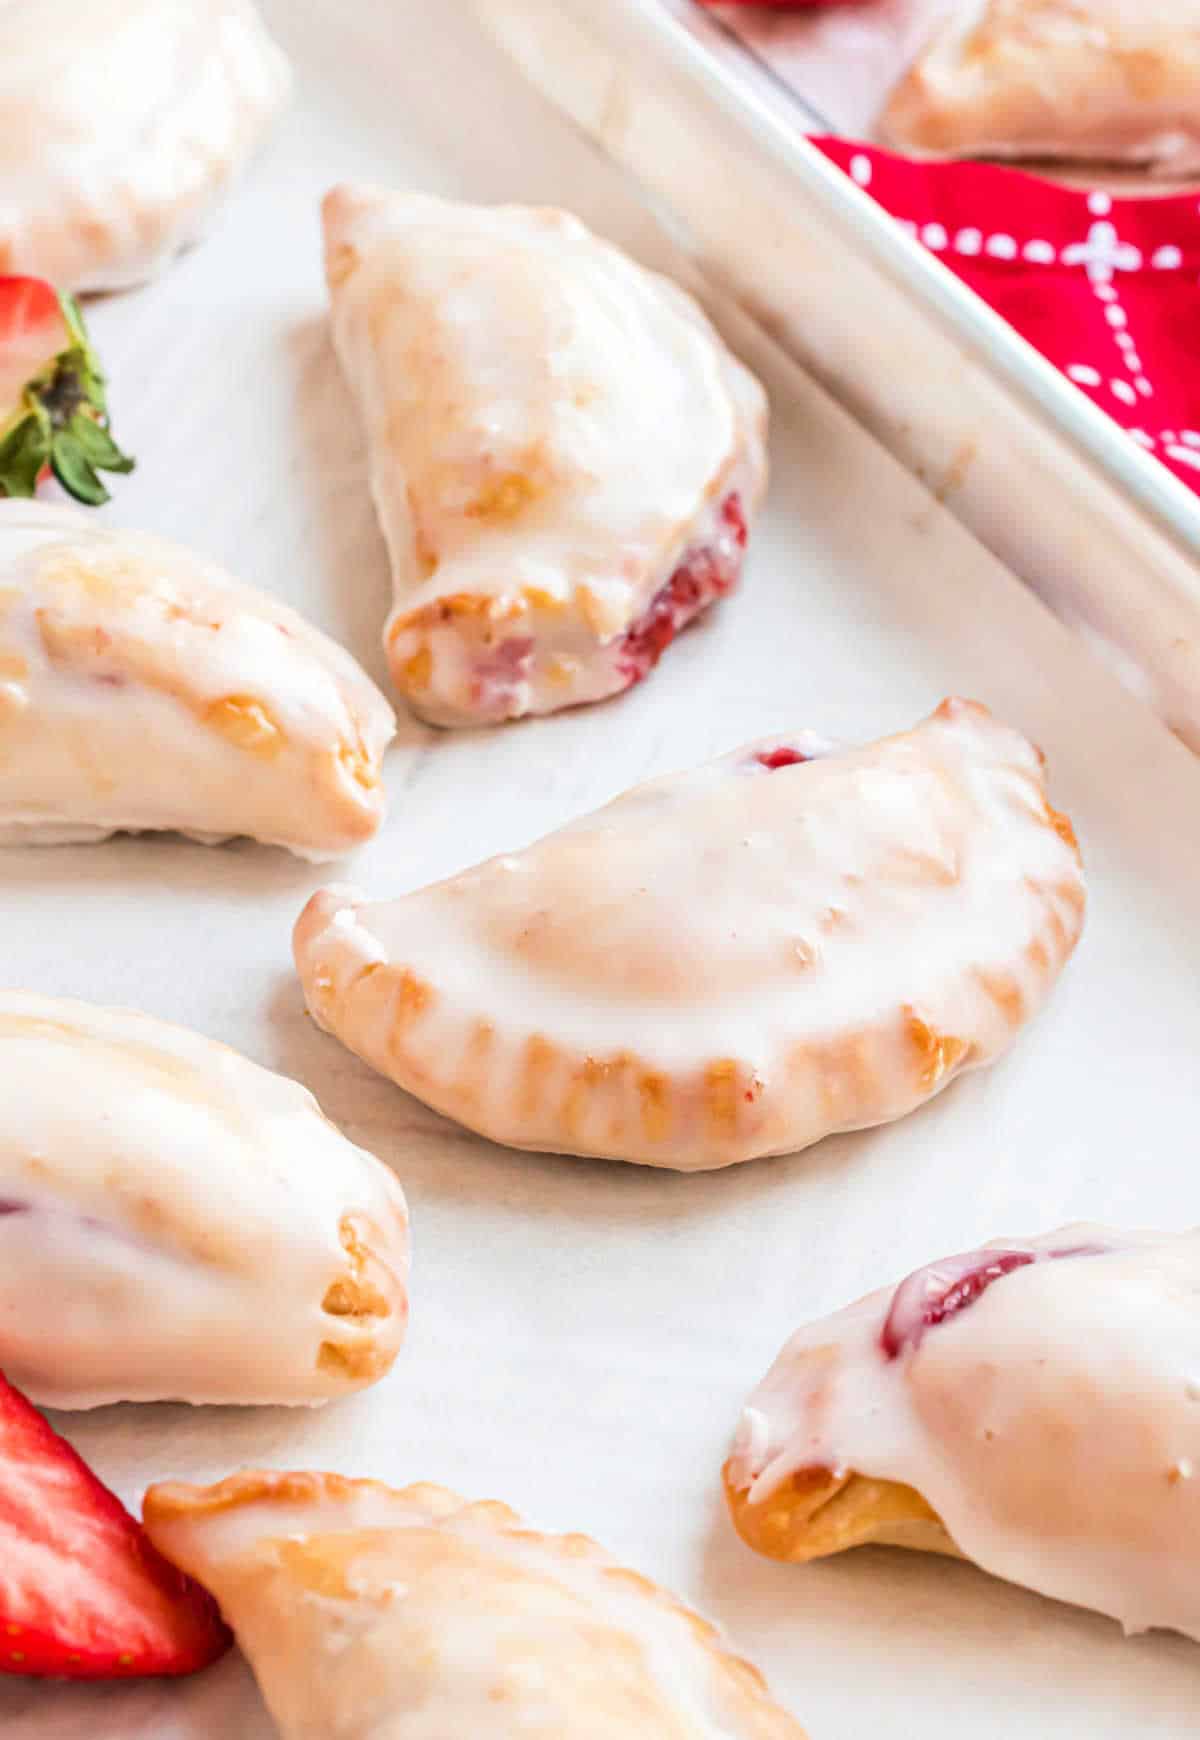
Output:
x=372 y=1614
x=1113 y=81
x=177 y=1223
x=1032 y=1406
x=122 y=122
x=564 y=455
x=141 y=687
x=724 y=963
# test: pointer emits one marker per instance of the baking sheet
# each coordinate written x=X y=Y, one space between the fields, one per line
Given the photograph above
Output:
x=843 y=61
x=583 y=1334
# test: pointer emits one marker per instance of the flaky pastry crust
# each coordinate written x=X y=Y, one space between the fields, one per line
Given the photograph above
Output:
x=816 y=1513
x=124 y=122
x=142 y=687
x=726 y=963
x=191 y=1225
x=1114 y=81
x=378 y=1614
x=1029 y=1405
x=564 y=455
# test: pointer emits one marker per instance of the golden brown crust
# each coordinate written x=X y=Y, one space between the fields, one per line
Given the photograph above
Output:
x=318 y=1559
x=1053 y=80
x=109 y=617
x=169 y=1499
x=642 y=1109
x=370 y=1290
x=815 y=1513
x=159 y=638
x=480 y=617
x=534 y=1088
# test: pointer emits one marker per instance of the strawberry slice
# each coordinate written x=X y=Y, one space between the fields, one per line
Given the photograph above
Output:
x=53 y=412
x=83 y=1594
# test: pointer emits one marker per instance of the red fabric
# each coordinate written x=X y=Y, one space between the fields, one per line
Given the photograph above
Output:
x=1107 y=288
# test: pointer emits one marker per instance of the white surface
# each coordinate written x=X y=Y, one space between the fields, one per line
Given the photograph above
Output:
x=584 y=1334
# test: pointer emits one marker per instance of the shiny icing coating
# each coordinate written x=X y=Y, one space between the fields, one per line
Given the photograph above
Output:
x=124 y=121
x=1047 y=1427
x=177 y=1223
x=1113 y=81
x=728 y=962
x=563 y=454
x=374 y=1614
x=141 y=687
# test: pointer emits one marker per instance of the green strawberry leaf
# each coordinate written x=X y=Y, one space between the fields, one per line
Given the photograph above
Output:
x=70 y=465
x=24 y=453
x=98 y=446
x=65 y=424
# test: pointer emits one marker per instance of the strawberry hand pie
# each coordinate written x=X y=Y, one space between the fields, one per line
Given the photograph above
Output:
x=1031 y=1406
x=564 y=455
x=143 y=688
x=729 y=962
x=177 y=1224
x=124 y=122
x=1108 y=81
x=374 y=1614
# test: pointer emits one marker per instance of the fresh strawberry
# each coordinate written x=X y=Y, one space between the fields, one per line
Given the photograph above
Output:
x=83 y=1594
x=53 y=414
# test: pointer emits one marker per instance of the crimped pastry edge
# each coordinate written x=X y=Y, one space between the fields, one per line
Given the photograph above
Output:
x=169 y=1502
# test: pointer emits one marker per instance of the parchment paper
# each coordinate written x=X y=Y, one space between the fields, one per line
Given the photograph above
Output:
x=583 y=1334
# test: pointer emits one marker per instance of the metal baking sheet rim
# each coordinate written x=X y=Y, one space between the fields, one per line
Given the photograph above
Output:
x=1109 y=538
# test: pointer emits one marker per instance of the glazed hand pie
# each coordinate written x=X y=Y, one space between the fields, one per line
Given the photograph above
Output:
x=1031 y=1405
x=178 y=1224
x=372 y=1614
x=141 y=687
x=564 y=456
x=1109 y=80
x=122 y=122
x=728 y=962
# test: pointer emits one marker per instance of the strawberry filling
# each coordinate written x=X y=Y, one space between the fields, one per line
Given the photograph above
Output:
x=706 y=573
x=500 y=674
x=772 y=759
x=945 y=1289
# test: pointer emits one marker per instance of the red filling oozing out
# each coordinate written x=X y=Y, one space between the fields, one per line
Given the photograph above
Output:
x=782 y=757
x=705 y=574
x=943 y=1289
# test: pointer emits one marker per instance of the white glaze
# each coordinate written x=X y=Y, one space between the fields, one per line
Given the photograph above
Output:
x=726 y=962
x=552 y=430
x=123 y=122
x=1107 y=80
x=1053 y=1424
x=141 y=687
x=183 y=1215
x=371 y=1614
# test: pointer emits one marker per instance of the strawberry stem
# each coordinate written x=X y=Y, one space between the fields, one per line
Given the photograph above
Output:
x=64 y=425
